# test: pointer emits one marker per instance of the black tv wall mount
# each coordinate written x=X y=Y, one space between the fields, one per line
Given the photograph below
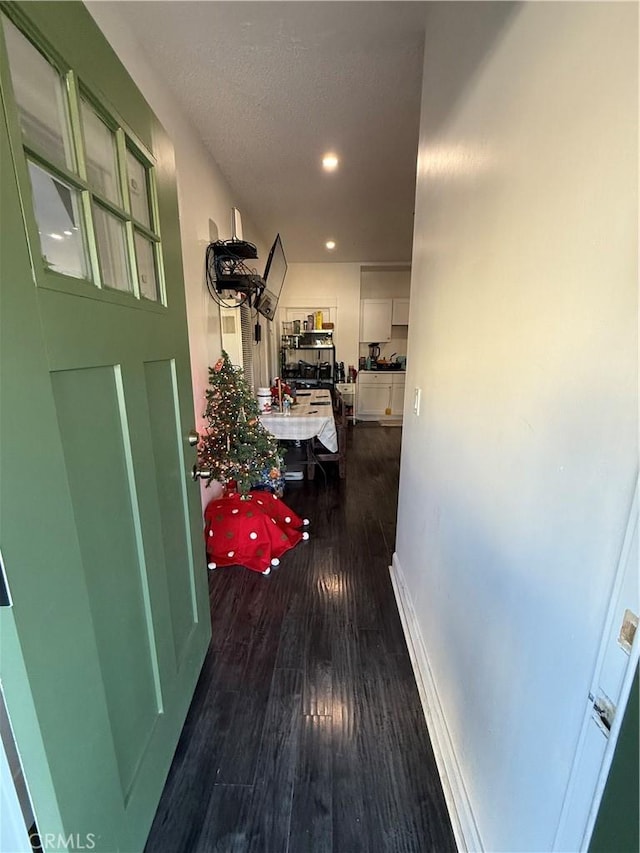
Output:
x=226 y=269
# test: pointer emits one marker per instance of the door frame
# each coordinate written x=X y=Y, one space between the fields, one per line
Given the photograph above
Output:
x=612 y=619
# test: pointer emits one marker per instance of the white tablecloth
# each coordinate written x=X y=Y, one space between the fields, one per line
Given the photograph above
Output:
x=306 y=420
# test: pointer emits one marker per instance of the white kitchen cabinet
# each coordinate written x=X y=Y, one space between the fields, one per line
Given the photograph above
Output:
x=374 y=395
x=397 y=395
x=378 y=392
x=400 y=312
x=375 y=320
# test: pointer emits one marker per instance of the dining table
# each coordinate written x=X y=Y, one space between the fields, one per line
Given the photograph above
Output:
x=310 y=416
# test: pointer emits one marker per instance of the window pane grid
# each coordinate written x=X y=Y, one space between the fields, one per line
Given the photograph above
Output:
x=80 y=185
x=105 y=202
x=150 y=235
x=58 y=213
x=87 y=175
x=147 y=267
x=113 y=253
x=92 y=246
x=162 y=292
x=133 y=260
x=100 y=154
x=41 y=97
x=37 y=156
x=139 y=184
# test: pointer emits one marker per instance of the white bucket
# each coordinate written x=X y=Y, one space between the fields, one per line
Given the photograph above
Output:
x=264 y=400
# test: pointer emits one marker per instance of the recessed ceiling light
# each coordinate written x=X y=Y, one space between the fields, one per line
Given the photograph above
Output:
x=329 y=162
x=330 y=244
x=56 y=236
x=68 y=233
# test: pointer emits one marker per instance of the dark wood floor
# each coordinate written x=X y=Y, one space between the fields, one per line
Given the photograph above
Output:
x=306 y=733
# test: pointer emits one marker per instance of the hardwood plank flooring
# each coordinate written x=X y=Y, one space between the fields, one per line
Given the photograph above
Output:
x=306 y=733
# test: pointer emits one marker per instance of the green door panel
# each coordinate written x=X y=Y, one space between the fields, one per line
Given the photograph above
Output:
x=162 y=398
x=104 y=501
x=100 y=525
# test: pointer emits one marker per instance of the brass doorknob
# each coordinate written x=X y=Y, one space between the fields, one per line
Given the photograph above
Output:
x=193 y=438
x=200 y=473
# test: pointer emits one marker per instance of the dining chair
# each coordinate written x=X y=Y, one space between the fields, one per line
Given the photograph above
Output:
x=317 y=452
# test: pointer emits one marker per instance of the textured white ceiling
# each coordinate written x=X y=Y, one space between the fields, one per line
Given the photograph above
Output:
x=272 y=86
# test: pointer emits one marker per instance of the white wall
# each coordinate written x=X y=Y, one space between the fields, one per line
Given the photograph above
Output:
x=203 y=195
x=310 y=285
x=377 y=283
x=517 y=477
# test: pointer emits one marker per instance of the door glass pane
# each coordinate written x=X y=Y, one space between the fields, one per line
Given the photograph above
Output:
x=146 y=268
x=112 y=249
x=59 y=225
x=101 y=154
x=138 y=190
x=40 y=98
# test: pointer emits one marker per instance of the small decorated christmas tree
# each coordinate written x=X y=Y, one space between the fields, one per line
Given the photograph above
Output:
x=236 y=446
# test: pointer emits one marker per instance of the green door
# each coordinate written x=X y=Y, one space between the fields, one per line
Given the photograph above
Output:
x=100 y=530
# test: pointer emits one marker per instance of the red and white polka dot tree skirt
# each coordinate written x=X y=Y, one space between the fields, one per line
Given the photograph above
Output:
x=252 y=531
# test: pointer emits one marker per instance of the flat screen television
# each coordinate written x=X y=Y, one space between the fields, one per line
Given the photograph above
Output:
x=274 y=274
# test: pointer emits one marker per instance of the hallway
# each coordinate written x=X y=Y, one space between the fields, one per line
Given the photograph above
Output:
x=306 y=732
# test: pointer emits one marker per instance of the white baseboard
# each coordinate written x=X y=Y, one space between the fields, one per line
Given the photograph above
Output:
x=464 y=826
